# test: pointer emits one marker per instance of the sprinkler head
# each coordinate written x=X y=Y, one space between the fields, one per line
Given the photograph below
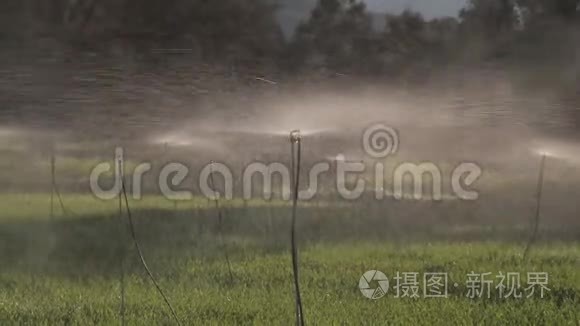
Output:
x=295 y=136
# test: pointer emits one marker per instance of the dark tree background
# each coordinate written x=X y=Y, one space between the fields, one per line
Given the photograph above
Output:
x=338 y=36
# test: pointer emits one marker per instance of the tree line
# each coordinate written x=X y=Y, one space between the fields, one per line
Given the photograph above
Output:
x=337 y=35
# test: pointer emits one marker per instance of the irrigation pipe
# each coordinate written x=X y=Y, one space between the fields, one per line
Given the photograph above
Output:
x=538 y=207
x=123 y=249
x=296 y=152
x=142 y=258
x=220 y=222
x=54 y=189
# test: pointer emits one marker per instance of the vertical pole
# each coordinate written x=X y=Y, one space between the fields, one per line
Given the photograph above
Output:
x=296 y=149
x=538 y=207
x=120 y=175
x=52 y=183
x=220 y=223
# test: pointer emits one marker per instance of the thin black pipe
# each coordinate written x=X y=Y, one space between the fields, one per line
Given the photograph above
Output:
x=220 y=223
x=538 y=207
x=296 y=149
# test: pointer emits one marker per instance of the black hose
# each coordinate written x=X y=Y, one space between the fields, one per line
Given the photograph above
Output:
x=54 y=190
x=220 y=224
x=296 y=149
x=122 y=253
x=66 y=212
x=538 y=206
x=52 y=182
x=143 y=262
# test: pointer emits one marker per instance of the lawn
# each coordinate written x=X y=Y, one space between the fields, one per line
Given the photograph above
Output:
x=67 y=271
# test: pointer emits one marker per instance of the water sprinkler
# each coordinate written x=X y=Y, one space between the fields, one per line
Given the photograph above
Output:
x=295 y=136
x=538 y=205
x=296 y=152
x=561 y=150
x=545 y=153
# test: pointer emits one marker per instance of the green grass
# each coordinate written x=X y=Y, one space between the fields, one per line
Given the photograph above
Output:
x=262 y=290
x=66 y=272
x=36 y=206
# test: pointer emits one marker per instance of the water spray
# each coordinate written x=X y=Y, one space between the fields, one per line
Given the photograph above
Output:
x=140 y=253
x=220 y=222
x=296 y=152
x=538 y=206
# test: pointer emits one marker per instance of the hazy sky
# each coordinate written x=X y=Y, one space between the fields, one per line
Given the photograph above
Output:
x=429 y=8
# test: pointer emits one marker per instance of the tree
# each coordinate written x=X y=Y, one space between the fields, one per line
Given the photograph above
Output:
x=220 y=29
x=410 y=44
x=338 y=35
x=234 y=28
x=405 y=33
x=490 y=18
x=566 y=9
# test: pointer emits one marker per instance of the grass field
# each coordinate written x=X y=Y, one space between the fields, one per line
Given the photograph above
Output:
x=67 y=272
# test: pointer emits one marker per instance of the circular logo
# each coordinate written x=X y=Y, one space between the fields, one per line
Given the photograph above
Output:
x=380 y=141
x=366 y=281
